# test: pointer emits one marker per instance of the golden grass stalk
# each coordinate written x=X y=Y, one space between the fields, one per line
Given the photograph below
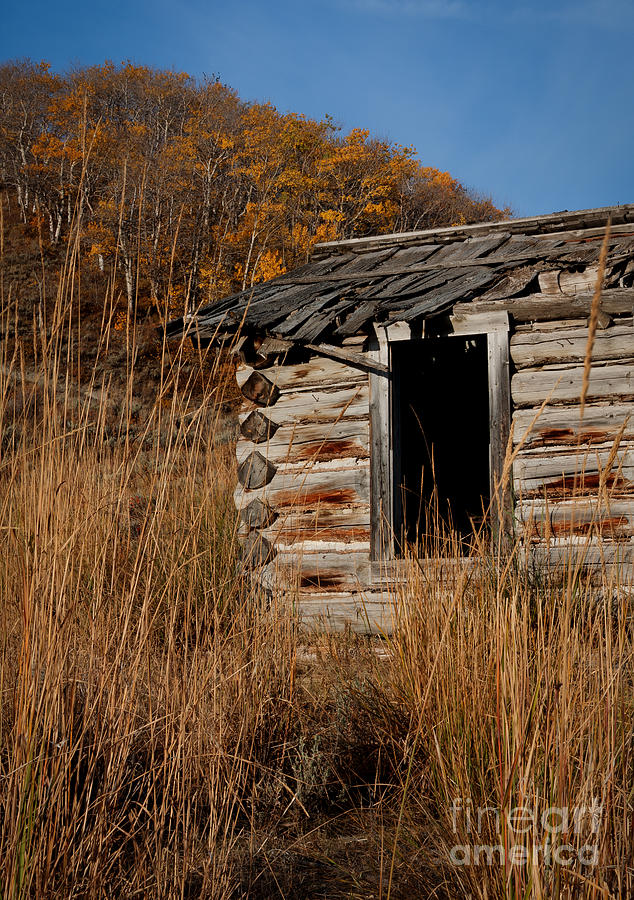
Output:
x=595 y=309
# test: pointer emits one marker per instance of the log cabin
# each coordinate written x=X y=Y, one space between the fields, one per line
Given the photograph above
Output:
x=438 y=368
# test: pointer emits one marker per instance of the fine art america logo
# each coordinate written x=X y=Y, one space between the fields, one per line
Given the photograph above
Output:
x=524 y=835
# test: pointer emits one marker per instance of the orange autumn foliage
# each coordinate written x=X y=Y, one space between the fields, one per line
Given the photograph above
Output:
x=183 y=192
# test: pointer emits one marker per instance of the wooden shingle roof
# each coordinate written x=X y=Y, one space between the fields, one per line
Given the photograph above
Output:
x=411 y=277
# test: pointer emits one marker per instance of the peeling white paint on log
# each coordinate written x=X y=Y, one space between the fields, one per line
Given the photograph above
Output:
x=532 y=472
x=562 y=449
x=327 y=465
x=342 y=487
x=303 y=548
x=530 y=387
x=327 y=516
x=313 y=443
x=542 y=308
x=562 y=425
x=539 y=348
x=584 y=508
x=613 y=520
x=325 y=571
x=330 y=523
x=317 y=407
x=317 y=373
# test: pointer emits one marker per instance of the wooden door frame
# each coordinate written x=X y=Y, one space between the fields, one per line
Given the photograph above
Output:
x=384 y=443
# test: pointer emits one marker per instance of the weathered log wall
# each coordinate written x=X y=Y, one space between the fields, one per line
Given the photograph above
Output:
x=574 y=476
x=304 y=467
x=304 y=492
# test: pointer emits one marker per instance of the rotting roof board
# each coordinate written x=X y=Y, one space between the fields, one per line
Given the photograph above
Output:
x=410 y=277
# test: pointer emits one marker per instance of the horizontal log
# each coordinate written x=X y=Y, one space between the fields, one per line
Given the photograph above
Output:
x=537 y=307
x=530 y=387
x=474 y=322
x=561 y=425
x=589 y=516
x=314 y=443
x=444 y=573
x=345 y=535
x=612 y=560
x=583 y=508
x=557 y=324
x=538 y=348
x=318 y=372
x=318 y=406
x=567 y=281
x=318 y=488
x=314 y=571
x=370 y=612
x=332 y=525
x=564 y=473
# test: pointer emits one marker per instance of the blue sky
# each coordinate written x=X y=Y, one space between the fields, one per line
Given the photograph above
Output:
x=530 y=102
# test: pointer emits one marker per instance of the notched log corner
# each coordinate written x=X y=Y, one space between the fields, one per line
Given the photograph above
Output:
x=258 y=428
x=603 y=320
x=258 y=514
x=260 y=390
x=256 y=550
x=255 y=471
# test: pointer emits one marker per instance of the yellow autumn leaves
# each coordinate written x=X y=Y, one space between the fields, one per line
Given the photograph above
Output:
x=186 y=192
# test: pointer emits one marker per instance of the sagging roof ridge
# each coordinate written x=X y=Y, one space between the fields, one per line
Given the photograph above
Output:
x=546 y=224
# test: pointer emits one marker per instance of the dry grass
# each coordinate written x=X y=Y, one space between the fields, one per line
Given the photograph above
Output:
x=162 y=735
x=594 y=318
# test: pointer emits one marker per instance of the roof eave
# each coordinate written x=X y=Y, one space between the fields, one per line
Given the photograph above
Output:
x=553 y=222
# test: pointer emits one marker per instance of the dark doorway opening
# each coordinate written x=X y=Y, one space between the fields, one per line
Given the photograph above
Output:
x=441 y=434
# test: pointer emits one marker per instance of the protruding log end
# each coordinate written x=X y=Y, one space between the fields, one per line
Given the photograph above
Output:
x=255 y=471
x=256 y=550
x=603 y=320
x=260 y=390
x=258 y=514
x=258 y=428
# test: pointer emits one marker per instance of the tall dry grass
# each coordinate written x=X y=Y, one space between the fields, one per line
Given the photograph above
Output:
x=142 y=679
x=521 y=695
x=162 y=735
